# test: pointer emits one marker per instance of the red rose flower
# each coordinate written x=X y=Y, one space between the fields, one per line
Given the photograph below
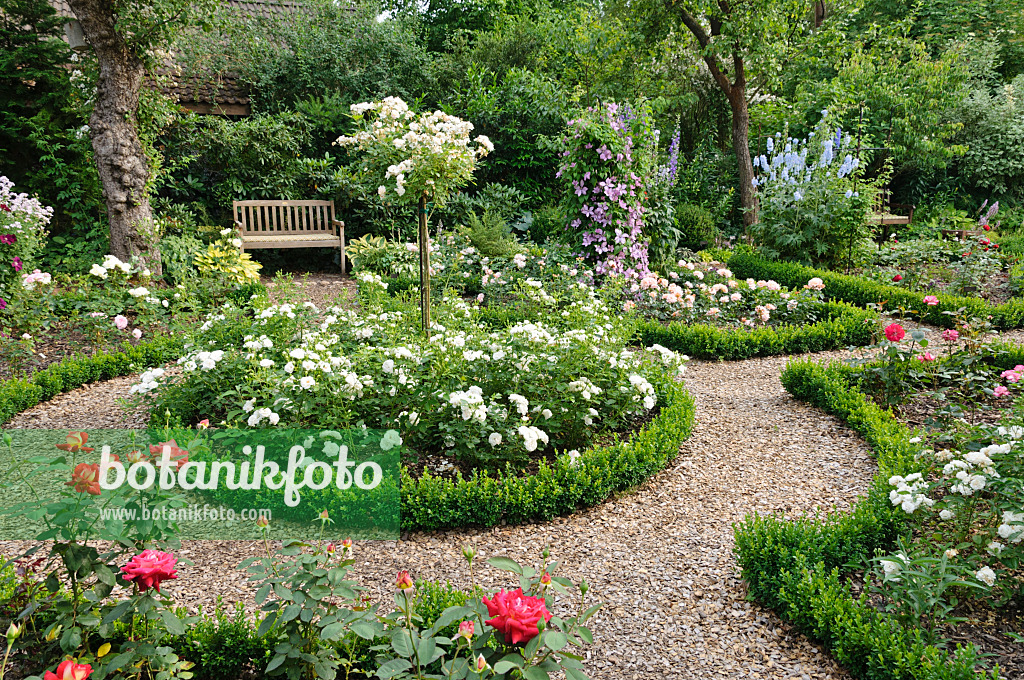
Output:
x=987 y=227
x=69 y=670
x=86 y=479
x=894 y=332
x=898 y=278
x=149 y=568
x=75 y=442
x=177 y=455
x=515 y=615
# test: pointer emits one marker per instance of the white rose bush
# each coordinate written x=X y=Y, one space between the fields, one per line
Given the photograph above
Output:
x=471 y=393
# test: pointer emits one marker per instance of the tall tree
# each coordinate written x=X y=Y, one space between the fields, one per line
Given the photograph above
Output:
x=745 y=44
x=125 y=35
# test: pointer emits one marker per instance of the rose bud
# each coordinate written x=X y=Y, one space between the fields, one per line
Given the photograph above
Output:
x=403 y=581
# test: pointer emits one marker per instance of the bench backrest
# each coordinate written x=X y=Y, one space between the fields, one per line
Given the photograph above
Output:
x=284 y=217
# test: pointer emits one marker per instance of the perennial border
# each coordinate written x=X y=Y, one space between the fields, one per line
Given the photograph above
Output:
x=796 y=567
x=860 y=292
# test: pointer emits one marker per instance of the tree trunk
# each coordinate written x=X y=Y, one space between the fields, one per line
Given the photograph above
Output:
x=123 y=166
x=741 y=146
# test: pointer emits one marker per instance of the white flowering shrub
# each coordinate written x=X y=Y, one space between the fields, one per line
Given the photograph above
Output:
x=414 y=153
x=481 y=395
x=813 y=201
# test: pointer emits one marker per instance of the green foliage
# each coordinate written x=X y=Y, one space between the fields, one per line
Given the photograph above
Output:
x=221 y=644
x=490 y=235
x=993 y=127
x=860 y=292
x=43 y=108
x=518 y=110
x=696 y=226
x=217 y=160
x=378 y=255
x=841 y=326
x=325 y=49
x=178 y=255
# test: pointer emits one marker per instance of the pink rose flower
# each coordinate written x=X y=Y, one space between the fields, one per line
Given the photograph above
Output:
x=137 y=333
x=931 y=300
x=1000 y=391
x=894 y=332
x=1011 y=376
x=949 y=335
x=149 y=568
x=466 y=629
x=120 y=322
x=927 y=356
x=515 y=615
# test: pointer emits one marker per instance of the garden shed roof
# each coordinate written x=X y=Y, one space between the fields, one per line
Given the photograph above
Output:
x=222 y=94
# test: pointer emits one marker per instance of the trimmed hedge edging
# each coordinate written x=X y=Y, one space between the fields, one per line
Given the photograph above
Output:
x=18 y=394
x=430 y=503
x=844 y=326
x=795 y=567
x=860 y=292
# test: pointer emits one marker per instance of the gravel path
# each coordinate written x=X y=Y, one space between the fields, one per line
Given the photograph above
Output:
x=661 y=558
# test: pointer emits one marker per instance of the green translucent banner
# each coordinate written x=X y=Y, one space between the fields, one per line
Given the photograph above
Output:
x=221 y=484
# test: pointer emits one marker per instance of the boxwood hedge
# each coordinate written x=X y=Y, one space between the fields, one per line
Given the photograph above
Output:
x=862 y=292
x=797 y=567
x=18 y=394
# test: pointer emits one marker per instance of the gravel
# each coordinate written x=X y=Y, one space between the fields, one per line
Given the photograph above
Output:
x=660 y=558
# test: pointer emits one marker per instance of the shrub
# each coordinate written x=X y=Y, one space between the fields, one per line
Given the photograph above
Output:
x=813 y=204
x=696 y=226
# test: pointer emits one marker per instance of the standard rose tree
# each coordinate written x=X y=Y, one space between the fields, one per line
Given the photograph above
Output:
x=416 y=158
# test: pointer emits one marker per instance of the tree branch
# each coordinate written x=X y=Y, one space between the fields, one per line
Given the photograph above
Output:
x=710 y=59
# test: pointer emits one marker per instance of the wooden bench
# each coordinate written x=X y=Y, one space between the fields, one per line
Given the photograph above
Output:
x=289 y=224
x=885 y=215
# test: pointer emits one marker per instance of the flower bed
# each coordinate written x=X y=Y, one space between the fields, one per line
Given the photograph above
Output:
x=698 y=308
x=478 y=403
x=861 y=292
x=947 y=521
x=840 y=326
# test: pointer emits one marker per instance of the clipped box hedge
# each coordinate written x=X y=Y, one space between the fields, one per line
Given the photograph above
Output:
x=486 y=499
x=861 y=292
x=842 y=326
x=18 y=394
x=796 y=567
